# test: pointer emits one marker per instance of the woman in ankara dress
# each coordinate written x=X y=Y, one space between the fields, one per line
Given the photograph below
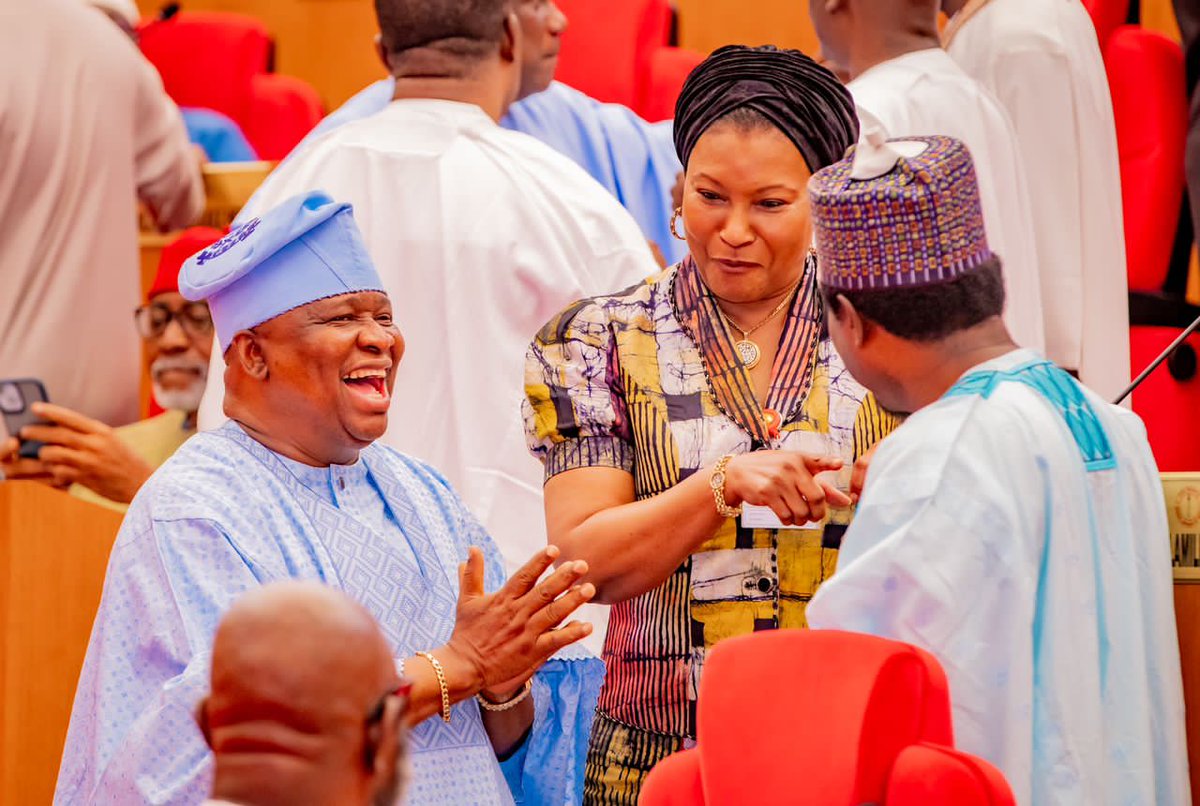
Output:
x=698 y=430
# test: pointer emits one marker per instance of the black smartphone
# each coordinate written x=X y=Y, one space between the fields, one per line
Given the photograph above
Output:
x=16 y=397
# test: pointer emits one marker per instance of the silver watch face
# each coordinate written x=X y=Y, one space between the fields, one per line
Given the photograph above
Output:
x=717 y=480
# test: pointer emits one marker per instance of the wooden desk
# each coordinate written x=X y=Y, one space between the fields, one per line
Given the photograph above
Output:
x=53 y=554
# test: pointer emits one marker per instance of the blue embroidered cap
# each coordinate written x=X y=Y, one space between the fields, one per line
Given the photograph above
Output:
x=308 y=248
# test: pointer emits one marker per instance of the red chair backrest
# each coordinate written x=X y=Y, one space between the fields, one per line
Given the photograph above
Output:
x=607 y=47
x=1146 y=77
x=827 y=709
x=1107 y=16
x=927 y=774
x=674 y=781
x=209 y=59
x=285 y=110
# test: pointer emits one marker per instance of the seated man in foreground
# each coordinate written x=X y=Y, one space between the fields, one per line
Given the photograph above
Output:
x=1014 y=525
x=306 y=706
x=293 y=487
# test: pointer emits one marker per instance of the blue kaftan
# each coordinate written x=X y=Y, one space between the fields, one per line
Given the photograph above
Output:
x=226 y=514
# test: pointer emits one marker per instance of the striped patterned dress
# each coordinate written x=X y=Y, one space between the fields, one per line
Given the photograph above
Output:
x=647 y=381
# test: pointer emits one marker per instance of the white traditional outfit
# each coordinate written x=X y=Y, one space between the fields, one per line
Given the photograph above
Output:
x=926 y=93
x=481 y=235
x=632 y=159
x=1041 y=60
x=86 y=130
x=1015 y=528
x=226 y=514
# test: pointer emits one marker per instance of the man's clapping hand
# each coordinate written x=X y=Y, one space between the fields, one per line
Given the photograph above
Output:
x=502 y=638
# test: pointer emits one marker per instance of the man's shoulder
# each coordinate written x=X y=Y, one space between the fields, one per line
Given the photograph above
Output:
x=210 y=472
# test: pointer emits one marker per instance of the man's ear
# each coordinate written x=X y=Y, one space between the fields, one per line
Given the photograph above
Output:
x=202 y=721
x=387 y=745
x=852 y=322
x=247 y=352
x=510 y=38
x=382 y=52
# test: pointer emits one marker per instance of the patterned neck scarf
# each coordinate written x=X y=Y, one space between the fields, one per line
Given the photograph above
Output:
x=792 y=373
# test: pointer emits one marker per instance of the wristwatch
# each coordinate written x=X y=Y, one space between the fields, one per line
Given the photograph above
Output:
x=717 y=482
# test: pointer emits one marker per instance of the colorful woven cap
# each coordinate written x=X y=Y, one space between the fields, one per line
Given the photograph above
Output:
x=898 y=214
x=308 y=248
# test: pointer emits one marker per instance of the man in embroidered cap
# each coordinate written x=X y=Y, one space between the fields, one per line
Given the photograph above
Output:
x=107 y=465
x=480 y=234
x=293 y=487
x=1014 y=524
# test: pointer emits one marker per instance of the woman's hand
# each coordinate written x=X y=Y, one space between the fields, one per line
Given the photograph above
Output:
x=502 y=638
x=81 y=450
x=786 y=482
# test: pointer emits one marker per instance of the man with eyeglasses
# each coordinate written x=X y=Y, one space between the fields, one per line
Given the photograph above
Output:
x=108 y=465
x=305 y=703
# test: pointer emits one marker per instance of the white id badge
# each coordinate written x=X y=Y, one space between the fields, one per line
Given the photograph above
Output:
x=755 y=517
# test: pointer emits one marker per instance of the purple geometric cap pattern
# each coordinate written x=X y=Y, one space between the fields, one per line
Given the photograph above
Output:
x=918 y=224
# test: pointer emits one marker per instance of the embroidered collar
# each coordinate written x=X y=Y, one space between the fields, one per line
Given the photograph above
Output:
x=791 y=375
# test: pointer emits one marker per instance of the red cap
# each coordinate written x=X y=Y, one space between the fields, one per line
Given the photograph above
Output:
x=189 y=242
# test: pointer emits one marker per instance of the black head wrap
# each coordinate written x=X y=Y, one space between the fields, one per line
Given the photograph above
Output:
x=803 y=99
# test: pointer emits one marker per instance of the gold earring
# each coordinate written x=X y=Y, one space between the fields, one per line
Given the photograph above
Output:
x=675 y=216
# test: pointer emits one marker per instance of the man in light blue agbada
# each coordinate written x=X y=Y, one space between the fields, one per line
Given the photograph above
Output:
x=1014 y=525
x=294 y=487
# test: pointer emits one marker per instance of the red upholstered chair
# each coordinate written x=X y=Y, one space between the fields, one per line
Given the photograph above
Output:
x=1146 y=77
x=221 y=61
x=1107 y=16
x=822 y=714
x=927 y=774
x=617 y=51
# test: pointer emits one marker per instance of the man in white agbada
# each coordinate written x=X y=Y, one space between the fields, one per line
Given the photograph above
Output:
x=480 y=235
x=903 y=82
x=1041 y=60
x=1014 y=525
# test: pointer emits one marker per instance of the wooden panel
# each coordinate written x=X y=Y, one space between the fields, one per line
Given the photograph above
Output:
x=1187 y=622
x=706 y=25
x=53 y=553
x=328 y=43
x=1158 y=15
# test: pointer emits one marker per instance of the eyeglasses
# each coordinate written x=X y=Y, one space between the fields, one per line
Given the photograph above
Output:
x=403 y=690
x=152 y=320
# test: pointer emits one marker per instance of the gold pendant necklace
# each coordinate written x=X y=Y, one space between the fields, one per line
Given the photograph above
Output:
x=748 y=351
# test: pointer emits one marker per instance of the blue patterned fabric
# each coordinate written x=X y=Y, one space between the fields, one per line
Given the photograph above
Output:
x=634 y=160
x=1063 y=392
x=224 y=515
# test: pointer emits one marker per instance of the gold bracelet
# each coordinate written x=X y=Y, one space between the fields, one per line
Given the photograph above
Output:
x=717 y=482
x=441 y=678
x=511 y=702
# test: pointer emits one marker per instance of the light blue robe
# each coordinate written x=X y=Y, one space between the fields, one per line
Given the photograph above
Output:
x=1016 y=529
x=221 y=138
x=226 y=514
x=634 y=160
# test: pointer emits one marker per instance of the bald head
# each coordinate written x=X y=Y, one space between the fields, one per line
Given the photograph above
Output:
x=297 y=667
x=856 y=35
x=299 y=651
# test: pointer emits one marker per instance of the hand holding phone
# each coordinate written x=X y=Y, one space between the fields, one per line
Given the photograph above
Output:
x=16 y=407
